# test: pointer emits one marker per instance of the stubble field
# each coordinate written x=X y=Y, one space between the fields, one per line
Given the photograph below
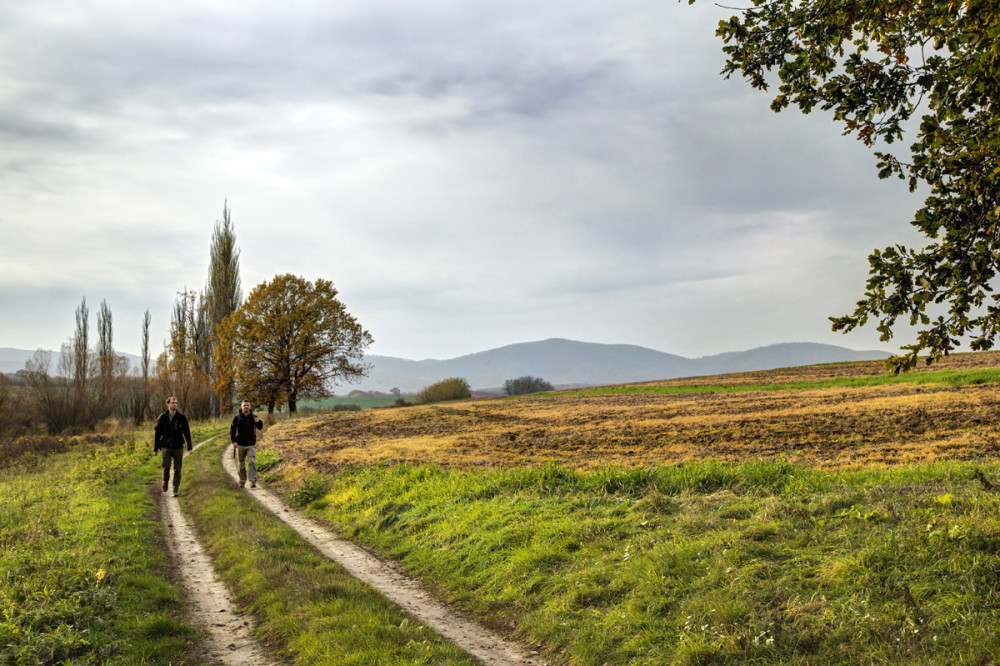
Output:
x=781 y=415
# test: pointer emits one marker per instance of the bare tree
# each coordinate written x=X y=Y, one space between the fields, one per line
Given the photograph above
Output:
x=201 y=339
x=136 y=403
x=181 y=368
x=54 y=400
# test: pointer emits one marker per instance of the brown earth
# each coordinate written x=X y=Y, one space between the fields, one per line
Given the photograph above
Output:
x=831 y=428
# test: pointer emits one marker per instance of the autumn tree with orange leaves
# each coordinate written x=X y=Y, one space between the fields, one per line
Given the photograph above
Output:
x=291 y=339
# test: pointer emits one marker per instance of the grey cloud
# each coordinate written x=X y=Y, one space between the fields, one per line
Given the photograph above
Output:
x=23 y=127
x=511 y=167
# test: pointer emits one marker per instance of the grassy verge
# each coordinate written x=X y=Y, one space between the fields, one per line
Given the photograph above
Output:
x=311 y=611
x=84 y=578
x=941 y=377
x=701 y=563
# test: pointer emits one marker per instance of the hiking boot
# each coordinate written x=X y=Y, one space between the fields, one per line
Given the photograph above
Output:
x=164 y=486
x=253 y=484
x=177 y=493
x=242 y=483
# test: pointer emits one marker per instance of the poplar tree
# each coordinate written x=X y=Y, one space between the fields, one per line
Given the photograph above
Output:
x=223 y=294
x=146 y=320
x=80 y=346
x=105 y=358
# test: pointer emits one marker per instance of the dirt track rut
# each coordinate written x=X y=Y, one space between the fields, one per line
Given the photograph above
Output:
x=484 y=645
x=229 y=640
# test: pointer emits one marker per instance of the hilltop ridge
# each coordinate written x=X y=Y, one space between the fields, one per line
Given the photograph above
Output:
x=569 y=363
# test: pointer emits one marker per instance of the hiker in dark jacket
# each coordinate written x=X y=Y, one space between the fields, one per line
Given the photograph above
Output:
x=243 y=434
x=169 y=435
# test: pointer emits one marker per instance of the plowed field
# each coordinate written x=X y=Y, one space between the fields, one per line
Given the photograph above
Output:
x=831 y=428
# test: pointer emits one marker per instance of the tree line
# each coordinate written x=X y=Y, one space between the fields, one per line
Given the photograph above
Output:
x=291 y=339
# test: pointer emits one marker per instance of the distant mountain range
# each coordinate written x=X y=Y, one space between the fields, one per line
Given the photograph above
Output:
x=563 y=363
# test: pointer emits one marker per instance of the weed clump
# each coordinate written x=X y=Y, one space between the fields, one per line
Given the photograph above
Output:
x=267 y=459
x=314 y=487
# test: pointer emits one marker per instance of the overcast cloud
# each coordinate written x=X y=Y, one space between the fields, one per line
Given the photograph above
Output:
x=469 y=174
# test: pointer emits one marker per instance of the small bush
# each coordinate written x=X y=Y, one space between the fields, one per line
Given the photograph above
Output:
x=453 y=388
x=525 y=385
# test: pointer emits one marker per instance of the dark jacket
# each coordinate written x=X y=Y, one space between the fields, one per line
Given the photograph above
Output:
x=167 y=435
x=244 y=429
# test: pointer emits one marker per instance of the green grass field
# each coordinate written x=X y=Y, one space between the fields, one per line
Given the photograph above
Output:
x=85 y=578
x=706 y=563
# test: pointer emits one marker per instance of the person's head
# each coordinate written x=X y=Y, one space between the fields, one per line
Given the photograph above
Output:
x=172 y=404
x=246 y=407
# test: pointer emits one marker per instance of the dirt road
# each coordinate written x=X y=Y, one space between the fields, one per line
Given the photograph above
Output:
x=229 y=640
x=482 y=644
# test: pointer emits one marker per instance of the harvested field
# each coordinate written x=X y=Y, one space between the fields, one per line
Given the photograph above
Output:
x=828 y=428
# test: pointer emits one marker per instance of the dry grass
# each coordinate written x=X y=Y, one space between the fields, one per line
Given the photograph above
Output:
x=828 y=428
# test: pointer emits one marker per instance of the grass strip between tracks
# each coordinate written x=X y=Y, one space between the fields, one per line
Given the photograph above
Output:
x=85 y=580
x=310 y=610
x=701 y=563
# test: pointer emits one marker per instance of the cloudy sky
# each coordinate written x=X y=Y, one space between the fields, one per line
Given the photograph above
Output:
x=468 y=173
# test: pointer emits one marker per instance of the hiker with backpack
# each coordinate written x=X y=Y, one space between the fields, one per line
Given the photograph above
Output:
x=243 y=435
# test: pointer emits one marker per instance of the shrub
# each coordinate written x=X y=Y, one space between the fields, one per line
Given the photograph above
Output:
x=311 y=490
x=453 y=388
x=525 y=385
x=13 y=449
